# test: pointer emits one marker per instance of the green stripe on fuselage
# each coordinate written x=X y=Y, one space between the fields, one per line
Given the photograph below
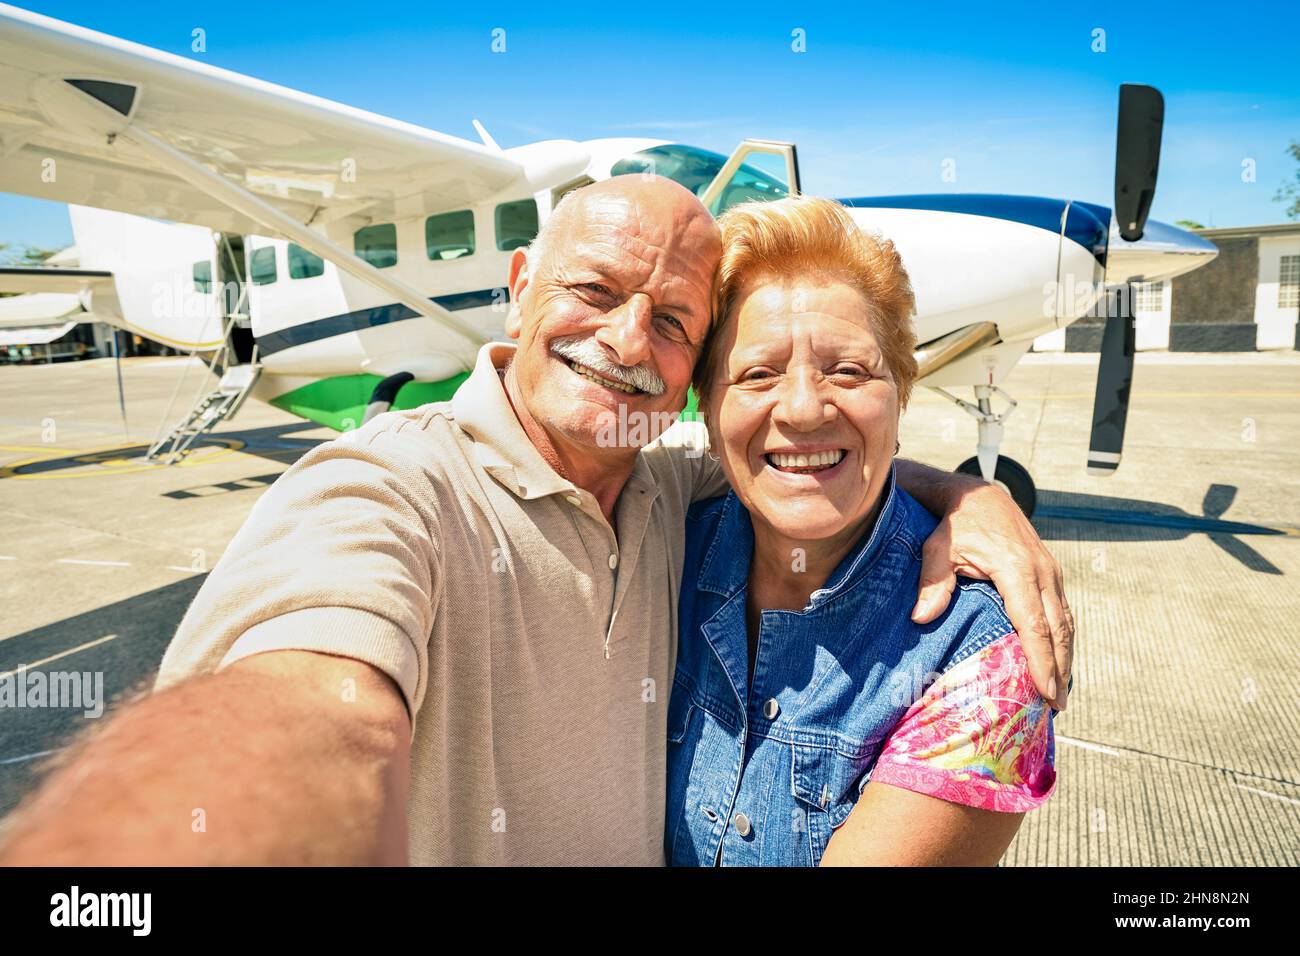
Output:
x=340 y=402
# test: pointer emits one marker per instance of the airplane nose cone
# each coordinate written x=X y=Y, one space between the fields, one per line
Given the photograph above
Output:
x=1164 y=251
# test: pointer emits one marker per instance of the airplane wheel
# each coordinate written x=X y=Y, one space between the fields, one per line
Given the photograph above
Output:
x=1012 y=477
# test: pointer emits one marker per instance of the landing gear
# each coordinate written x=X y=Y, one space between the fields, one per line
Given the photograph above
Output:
x=987 y=463
x=385 y=393
x=1013 y=478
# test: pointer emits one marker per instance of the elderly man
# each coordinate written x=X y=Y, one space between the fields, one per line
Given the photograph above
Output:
x=449 y=636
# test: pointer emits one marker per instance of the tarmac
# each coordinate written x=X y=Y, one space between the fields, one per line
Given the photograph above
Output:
x=1179 y=743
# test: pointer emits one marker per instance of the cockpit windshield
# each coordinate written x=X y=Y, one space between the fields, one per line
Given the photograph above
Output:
x=696 y=168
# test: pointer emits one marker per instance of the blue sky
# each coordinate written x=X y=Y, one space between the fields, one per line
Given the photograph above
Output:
x=883 y=95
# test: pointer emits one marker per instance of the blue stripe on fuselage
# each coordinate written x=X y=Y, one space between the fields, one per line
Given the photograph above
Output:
x=369 y=318
x=1087 y=224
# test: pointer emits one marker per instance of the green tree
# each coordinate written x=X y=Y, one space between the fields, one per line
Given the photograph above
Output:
x=1188 y=224
x=1291 y=191
x=34 y=256
x=29 y=256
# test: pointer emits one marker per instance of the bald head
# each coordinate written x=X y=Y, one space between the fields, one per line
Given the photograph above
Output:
x=634 y=197
x=611 y=305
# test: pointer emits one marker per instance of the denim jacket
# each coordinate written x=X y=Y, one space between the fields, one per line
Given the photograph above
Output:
x=763 y=775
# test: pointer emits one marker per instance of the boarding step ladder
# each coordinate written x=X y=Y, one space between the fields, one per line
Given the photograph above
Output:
x=215 y=407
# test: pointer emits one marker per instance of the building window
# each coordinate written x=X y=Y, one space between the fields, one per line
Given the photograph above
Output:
x=1150 y=297
x=450 y=235
x=1288 y=282
x=304 y=264
x=516 y=224
x=203 y=275
x=262 y=267
x=377 y=245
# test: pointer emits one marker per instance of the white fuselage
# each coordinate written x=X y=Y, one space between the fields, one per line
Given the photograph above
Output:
x=966 y=267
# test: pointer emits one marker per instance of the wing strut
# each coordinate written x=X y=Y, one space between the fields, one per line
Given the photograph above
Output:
x=242 y=201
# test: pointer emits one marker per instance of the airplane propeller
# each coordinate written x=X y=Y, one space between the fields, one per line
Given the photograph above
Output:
x=1137 y=162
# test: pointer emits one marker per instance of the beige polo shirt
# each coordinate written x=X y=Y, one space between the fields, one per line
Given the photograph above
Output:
x=533 y=646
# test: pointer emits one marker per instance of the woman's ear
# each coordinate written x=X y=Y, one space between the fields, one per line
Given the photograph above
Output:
x=698 y=414
x=702 y=411
x=706 y=418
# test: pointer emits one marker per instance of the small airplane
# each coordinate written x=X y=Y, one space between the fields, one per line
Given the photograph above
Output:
x=337 y=263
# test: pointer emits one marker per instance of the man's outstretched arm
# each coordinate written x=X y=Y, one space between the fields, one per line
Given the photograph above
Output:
x=283 y=758
x=982 y=533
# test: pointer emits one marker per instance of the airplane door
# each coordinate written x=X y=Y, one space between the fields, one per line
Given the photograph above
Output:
x=757 y=171
x=233 y=275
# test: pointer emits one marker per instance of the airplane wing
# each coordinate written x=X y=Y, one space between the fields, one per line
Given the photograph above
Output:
x=312 y=159
x=45 y=279
x=36 y=335
x=39 y=308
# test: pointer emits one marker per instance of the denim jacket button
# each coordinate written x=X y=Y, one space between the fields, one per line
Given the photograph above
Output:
x=741 y=823
x=771 y=709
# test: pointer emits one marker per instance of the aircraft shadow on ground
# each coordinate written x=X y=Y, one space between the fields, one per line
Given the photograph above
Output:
x=1068 y=516
x=143 y=626
x=274 y=443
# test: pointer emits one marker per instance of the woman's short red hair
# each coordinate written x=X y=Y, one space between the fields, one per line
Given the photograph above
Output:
x=807 y=236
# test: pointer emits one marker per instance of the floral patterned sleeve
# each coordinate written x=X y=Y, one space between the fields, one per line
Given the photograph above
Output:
x=980 y=736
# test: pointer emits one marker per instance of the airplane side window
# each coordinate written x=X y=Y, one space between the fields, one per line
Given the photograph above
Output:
x=516 y=224
x=377 y=244
x=304 y=264
x=203 y=275
x=449 y=235
x=262 y=266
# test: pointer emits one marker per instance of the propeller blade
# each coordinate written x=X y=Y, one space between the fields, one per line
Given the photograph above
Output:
x=1114 y=381
x=1137 y=156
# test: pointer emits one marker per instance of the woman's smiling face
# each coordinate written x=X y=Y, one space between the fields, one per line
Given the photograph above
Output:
x=803 y=410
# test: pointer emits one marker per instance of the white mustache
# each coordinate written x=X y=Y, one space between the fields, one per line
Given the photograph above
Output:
x=585 y=350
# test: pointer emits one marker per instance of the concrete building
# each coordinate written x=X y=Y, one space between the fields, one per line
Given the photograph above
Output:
x=1247 y=299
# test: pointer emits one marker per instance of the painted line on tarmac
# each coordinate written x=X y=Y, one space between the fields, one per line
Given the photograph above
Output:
x=39 y=449
x=1265 y=793
x=1089 y=396
x=84 y=460
x=1087 y=746
x=1121 y=751
x=115 y=564
x=25 y=757
x=54 y=657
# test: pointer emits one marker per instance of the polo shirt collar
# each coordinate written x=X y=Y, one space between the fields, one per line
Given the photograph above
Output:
x=502 y=446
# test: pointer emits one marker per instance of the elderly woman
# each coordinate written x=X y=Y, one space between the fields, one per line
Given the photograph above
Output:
x=811 y=721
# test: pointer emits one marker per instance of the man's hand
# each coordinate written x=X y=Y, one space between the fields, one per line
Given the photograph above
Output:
x=982 y=533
